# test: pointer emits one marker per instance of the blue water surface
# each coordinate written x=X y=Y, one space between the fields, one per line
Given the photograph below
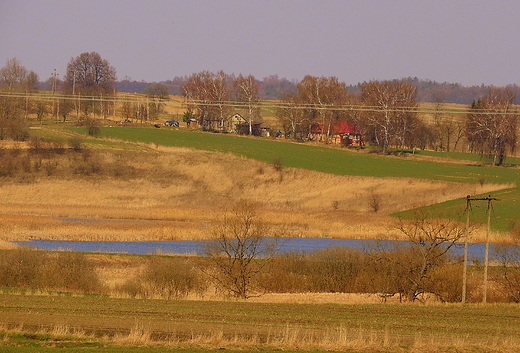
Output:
x=475 y=251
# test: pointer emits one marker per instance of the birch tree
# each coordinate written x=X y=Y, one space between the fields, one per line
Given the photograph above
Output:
x=293 y=118
x=246 y=90
x=491 y=126
x=390 y=112
x=321 y=97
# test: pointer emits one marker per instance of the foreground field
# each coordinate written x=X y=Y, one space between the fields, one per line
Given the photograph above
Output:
x=263 y=326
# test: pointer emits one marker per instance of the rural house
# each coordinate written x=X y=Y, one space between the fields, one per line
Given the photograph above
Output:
x=337 y=132
x=241 y=126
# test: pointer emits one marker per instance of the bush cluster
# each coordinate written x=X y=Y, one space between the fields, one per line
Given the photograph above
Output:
x=62 y=271
x=170 y=278
x=15 y=129
x=331 y=270
x=347 y=270
x=56 y=158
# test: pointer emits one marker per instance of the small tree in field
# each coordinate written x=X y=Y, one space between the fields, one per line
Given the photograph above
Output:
x=239 y=250
x=414 y=265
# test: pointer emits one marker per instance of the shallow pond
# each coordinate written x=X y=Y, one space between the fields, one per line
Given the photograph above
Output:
x=475 y=251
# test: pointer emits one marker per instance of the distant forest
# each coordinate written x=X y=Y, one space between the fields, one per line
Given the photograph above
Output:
x=274 y=87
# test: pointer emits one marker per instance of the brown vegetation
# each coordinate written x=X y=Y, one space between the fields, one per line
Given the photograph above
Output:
x=332 y=275
x=176 y=194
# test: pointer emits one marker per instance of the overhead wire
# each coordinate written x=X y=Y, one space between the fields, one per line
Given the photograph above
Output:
x=269 y=105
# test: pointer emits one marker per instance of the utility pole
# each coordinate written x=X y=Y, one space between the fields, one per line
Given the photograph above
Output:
x=466 y=237
x=486 y=254
x=54 y=108
x=54 y=82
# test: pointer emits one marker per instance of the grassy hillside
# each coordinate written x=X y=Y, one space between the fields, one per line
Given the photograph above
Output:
x=452 y=167
x=322 y=159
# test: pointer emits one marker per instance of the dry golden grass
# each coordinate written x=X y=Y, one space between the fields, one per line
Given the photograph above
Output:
x=176 y=194
x=321 y=298
x=7 y=245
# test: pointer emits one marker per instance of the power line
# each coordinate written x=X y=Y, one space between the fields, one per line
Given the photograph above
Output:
x=234 y=104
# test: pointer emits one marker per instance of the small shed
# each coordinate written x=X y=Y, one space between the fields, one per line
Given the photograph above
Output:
x=192 y=123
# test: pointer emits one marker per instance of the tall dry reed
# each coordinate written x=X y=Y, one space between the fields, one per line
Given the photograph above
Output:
x=176 y=193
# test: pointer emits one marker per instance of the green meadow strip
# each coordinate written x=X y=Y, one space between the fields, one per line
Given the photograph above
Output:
x=322 y=159
x=505 y=211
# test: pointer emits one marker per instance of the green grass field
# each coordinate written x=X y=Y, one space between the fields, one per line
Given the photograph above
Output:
x=322 y=159
x=348 y=162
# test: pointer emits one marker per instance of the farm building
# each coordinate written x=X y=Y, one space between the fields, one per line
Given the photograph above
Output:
x=337 y=132
x=191 y=123
x=236 y=123
x=241 y=126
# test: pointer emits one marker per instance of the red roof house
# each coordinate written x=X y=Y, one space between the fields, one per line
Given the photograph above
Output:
x=339 y=132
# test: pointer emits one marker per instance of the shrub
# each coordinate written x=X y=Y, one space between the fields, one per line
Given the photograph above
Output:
x=34 y=269
x=75 y=143
x=21 y=268
x=333 y=269
x=166 y=278
x=72 y=271
x=286 y=274
x=93 y=128
x=277 y=164
x=509 y=280
x=446 y=282
x=13 y=128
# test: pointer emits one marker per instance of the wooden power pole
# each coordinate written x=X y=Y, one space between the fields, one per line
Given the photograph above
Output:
x=489 y=199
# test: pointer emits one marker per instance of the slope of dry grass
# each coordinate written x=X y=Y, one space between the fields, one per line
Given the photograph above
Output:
x=176 y=193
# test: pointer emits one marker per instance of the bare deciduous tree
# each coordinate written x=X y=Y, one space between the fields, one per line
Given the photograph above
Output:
x=239 y=242
x=430 y=240
x=15 y=78
x=89 y=75
x=156 y=94
x=293 y=118
x=491 y=125
x=209 y=94
x=509 y=258
x=321 y=96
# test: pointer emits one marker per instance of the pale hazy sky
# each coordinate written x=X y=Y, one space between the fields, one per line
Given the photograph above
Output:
x=460 y=41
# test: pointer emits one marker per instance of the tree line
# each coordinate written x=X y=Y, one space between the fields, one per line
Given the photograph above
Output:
x=384 y=112
x=386 y=115
x=86 y=92
x=274 y=87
